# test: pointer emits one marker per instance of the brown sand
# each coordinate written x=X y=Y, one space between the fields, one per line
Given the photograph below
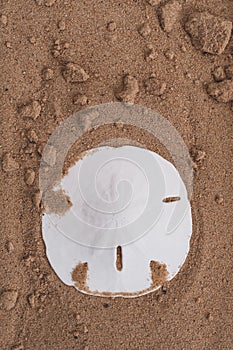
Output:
x=79 y=275
x=119 y=257
x=56 y=58
x=159 y=273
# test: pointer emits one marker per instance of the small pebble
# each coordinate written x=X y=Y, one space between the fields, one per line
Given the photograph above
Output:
x=198 y=155
x=42 y=297
x=32 y=136
x=9 y=247
x=31 y=110
x=219 y=199
x=208 y=33
x=169 y=15
x=130 y=89
x=9 y=164
x=32 y=40
x=111 y=26
x=150 y=53
x=76 y=334
x=194 y=166
x=29 y=260
x=57 y=45
x=169 y=54
x=164 y=290
x=73 y=73
x=47 y=74
x=61 y=25
x=221 y=91
x=3 y=19
x=49 y=2
x=29 y=177
x=55 y=53
x=8 y=299
x=183 y=48
x=144 y=30
x=229 y=72
x=30 y=149
x=219 y=74
x=209 y=316
x=78 y=317
x=31 y=300
x=66 y=45
x=80 y=100
x=57 y=42
x=154 y=86
x=8 y=45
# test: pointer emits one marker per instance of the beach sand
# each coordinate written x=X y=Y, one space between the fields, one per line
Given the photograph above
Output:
x=58 y=57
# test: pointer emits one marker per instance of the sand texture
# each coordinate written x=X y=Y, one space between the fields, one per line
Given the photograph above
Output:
x=58 y=57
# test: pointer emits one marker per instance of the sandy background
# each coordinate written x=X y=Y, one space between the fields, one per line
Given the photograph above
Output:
x=38 y=39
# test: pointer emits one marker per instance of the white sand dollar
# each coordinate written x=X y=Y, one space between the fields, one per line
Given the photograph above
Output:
x=130 y=219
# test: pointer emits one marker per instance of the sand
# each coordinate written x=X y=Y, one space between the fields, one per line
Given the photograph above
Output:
x=58 y=57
